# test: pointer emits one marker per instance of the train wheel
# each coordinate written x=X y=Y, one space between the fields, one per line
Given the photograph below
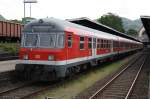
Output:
x=84 y=67
x=70 y=72
x=77 y=69
x=94 y=63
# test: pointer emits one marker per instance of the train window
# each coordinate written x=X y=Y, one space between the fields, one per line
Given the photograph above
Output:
x=98 y=40
x=81 y=42
x=101 y=43
x=60 y=41
x=31 y=40
x=69 y=41
x=89 y=42
x=97 y=45
x=114 y=44
x=108 y=44
x=94 y=43
x=48 y=40
x=121 y=44
x=104 y=43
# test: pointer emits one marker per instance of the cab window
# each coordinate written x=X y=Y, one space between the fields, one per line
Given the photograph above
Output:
x=69 y=41
x=82 y=42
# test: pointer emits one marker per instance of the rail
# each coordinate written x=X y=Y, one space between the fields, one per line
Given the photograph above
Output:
x=110 y=81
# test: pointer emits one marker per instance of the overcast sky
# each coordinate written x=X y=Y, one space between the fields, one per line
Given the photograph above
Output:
x=67 y=9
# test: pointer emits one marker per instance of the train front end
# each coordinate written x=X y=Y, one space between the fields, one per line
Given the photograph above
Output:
x=42 y=51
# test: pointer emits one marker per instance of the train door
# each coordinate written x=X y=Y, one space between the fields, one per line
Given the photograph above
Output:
x=69 y=47
x=94 y=47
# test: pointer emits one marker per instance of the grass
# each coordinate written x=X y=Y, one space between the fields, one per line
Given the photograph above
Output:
x=12 y=48
x=73 y=87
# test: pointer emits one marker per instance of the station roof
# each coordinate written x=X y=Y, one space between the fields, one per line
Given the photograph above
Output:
x=95 y=25
x=146 y=24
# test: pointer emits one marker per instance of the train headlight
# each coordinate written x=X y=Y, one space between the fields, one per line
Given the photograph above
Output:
x=50 y=57
x=25 y=57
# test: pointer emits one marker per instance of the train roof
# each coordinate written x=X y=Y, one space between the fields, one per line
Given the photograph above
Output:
x=53 y=25
x=11 y=22
x=56 y=25
x=98 y=26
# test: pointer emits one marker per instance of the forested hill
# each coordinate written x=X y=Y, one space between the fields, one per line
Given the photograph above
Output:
x=2 y=18
x=131 y=24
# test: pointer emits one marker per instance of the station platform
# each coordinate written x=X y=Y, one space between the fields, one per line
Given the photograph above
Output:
x=8 y=65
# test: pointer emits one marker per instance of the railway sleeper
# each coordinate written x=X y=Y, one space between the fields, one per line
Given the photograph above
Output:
x=116 y=91
x=112 y=97
x=112 y=94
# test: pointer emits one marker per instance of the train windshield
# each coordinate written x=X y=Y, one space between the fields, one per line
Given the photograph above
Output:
x=44 y=40
x=48 y=40
x=31 y=40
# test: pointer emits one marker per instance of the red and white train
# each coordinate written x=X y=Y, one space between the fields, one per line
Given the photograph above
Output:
x=52 y=48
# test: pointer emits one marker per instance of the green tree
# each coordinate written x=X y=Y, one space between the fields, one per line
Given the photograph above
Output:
x=112 y=20
x=15 y=21
x=132 y=32
x=27 y=20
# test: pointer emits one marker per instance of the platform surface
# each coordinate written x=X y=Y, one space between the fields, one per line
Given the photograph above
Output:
x=8 y=65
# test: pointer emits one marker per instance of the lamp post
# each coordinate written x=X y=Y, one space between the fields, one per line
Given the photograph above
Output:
x=30 y=2
x=24 y=9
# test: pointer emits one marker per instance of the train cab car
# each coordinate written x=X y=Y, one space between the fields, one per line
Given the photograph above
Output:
x=43 y=49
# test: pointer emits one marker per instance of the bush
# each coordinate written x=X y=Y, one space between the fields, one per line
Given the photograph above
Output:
x=12 y=48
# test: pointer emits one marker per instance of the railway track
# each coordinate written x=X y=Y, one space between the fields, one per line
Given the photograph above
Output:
x=5 y=76
x=8 y=84
x=21 y=90
x=25 y=90
x=121 y=85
